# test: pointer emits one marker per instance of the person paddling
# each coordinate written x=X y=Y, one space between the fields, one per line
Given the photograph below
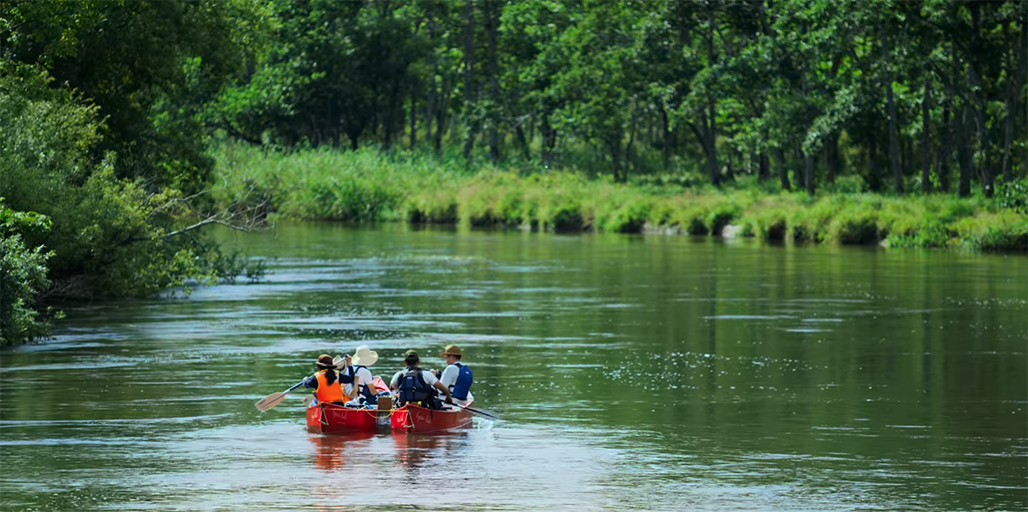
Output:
x=457 y=376
x=325 y=381
x=363 y=357
x=414 y=385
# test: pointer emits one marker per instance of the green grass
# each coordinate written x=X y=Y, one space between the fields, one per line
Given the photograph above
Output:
x=368 y=185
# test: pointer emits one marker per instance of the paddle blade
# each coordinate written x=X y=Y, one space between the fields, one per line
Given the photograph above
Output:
x=270 y=401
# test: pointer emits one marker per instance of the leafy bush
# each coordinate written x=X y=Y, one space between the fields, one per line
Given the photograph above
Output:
x=23 y=275
x=1013 y=195
x=109 y=236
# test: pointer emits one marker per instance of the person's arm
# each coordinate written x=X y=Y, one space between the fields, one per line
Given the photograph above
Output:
x=311 y=382
x=355 y=388
x=444 y=390
x=449 y=376
x=394 y=383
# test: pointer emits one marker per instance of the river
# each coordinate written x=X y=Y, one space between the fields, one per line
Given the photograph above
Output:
x=631 y=372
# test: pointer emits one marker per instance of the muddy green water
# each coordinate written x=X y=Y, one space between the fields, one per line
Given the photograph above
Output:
x=650 y=373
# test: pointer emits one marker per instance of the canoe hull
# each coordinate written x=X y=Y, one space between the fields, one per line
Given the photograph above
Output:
x=331 y=419
x=417 y=419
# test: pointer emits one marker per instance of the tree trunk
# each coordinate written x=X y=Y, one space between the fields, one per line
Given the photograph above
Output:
x=710 y=142
x=440 y=116
x=430 y=99
x=894 y=157
x=783 y=171
x=469 y=76
x=974 y=78
x=872 y=165
x=492 y=21
x=763 y=172
x=666 y=132
x=519 y=132
x=393 y=107
x=614 y=144
x=630 y=145
x=548 y=138
x=711 y=134
x=808 y=173
x=834 y=163
x=963 y=151
x=430 y=109
x=413 y=120
x=945 y=148
x=926 y=150
x=1015 y=76
x=960 y=135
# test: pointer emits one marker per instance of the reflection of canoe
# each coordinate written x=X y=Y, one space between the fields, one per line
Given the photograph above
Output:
x=414 y=418
x=332 y=418
x=330 y=450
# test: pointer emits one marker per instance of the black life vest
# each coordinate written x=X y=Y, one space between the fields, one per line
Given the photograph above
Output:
x=412 y=388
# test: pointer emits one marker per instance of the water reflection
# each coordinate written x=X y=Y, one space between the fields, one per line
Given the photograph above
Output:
x=330 y=450
x=412 y=450
x=639 y=373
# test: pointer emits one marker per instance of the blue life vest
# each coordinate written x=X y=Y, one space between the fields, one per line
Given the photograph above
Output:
x=364 y=389
x=460 y=388
x=412 y=388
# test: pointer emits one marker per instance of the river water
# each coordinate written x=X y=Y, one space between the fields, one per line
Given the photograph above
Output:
x=631 y=372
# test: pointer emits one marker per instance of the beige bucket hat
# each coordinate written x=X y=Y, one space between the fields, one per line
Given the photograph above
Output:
x=364 y=356
x=451 y=350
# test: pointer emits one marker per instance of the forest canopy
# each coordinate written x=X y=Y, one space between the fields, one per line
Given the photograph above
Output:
x=118 y=114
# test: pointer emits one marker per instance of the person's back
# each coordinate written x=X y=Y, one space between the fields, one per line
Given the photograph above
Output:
x=415 y=386
x=325 y=381
x=362 y=359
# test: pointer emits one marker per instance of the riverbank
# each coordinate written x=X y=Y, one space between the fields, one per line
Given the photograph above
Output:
x=367 y=185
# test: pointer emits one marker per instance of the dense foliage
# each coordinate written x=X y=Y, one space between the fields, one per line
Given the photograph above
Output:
x=23 y=275
x=100 y=139
x=907 y=95
x=108 y=108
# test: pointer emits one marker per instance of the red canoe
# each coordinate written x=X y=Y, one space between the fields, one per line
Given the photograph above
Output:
x=332 y=418
x=417 y=419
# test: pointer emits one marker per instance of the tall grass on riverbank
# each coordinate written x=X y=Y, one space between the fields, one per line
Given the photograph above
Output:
x=368 y=185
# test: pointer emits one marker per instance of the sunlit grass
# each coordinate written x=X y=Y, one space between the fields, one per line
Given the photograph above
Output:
x=369 y=185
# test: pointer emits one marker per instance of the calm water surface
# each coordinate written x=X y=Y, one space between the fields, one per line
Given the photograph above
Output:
x=649 y=373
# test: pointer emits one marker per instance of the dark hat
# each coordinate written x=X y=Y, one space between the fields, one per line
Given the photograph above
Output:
x=325 y=361
x=411 y=355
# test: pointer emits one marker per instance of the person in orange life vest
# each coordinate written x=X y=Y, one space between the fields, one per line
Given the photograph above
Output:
x=325 y=381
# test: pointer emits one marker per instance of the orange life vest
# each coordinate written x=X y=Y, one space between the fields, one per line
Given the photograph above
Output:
x=328 y=392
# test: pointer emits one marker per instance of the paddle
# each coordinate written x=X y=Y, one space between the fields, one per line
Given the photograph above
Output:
x=487 y=414
x=275 y=398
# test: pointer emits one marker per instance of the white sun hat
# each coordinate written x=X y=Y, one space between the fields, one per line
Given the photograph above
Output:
x=364 y=356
